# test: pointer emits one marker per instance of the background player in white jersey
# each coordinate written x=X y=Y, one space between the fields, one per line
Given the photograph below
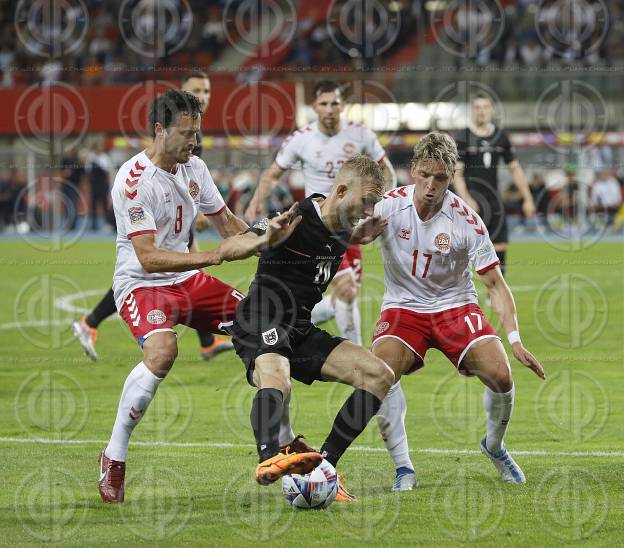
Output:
x=156 y=197
x=320 y=148
x=432 y=241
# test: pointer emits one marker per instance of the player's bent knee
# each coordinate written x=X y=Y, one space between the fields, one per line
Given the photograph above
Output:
x=272 y=373
x=159 y=357
x=378 y=377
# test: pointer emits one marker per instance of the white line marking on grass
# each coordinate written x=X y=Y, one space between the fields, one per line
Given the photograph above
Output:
x=427 y=451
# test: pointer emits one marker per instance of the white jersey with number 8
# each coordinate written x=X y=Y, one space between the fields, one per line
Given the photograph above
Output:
x=428 y=265
x=149 y=200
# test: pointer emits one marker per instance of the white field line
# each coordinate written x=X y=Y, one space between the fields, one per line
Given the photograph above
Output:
x=427 y=451
x=66 y=304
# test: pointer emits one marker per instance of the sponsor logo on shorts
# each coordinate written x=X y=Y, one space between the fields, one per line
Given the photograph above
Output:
x=193 y=189
x=270 y=337
x=381 y=327
x=136 y=214
x=442 y=241
x=156 y=317
x=405 y=233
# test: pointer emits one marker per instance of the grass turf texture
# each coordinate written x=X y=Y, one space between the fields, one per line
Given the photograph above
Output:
x=571 y=317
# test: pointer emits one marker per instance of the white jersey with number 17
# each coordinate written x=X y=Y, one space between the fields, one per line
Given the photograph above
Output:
x=321 y=156
x=428 y=264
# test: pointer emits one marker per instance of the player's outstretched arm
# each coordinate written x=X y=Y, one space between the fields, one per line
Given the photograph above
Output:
x=368 y=230
x=227 y=224
x=153 y=259
x=245 y=245
x=268 y=181
x=505 y=308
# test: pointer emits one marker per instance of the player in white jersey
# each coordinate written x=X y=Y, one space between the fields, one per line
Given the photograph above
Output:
x=157 y=195
x=431 y=243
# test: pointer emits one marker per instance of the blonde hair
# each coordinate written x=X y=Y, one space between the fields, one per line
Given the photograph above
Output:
x=361 y=166
x=437 y=146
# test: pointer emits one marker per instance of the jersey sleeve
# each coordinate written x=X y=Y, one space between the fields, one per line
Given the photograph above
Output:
x=210 y=199
x=509 y=153
x=133 y=207
x=373 y=147
x=288 y=154
x=481 y=250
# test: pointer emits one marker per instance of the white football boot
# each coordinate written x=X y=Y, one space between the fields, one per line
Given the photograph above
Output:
x=86 y=337
x=405 y=480
x=506 y=466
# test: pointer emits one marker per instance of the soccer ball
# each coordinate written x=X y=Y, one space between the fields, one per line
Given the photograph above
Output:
x=314 y=490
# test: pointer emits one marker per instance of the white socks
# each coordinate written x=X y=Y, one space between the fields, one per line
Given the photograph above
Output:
x=348 y=320
x=137 y=393
x=323 y=311
x=498 y=407
x=286 y=434
x=391 y=422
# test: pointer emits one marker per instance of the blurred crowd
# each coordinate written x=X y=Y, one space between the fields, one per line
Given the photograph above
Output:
x=113 y=44
x=76 y=195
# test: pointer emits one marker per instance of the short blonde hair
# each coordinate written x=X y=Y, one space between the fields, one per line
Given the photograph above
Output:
x=437 y=146
x=361 y=166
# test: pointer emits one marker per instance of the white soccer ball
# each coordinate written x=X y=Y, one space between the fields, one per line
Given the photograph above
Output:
x=314 y=490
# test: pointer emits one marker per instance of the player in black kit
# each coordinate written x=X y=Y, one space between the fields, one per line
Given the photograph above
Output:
x=481 y=148
x=275 y=338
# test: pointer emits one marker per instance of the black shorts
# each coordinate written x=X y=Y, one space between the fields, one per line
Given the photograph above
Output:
x=305 y=345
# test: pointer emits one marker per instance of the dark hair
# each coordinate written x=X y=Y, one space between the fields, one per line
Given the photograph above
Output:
x=166 y=107
x=195 y=74
x=325 y=86
x=481 y=95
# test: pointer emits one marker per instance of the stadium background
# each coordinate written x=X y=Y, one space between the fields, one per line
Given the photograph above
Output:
x=76 y=79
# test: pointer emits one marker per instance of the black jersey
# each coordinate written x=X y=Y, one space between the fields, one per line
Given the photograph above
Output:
x=481 y=156
x=292 y=277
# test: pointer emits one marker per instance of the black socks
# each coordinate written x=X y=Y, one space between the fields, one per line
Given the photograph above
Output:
x=266 y=414
x=103 y=310
x=355 y=414
x=501 y=258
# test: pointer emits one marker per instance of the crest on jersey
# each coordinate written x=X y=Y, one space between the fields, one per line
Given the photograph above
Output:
x=156 y=317
x=193 y=189
x=136 y=214
x=405 y=233
x=348 y=148
x=381 y=327
x=270 y=337
x=442 y=242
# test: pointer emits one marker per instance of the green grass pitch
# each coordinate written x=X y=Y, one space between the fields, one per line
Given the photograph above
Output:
x=197 y=486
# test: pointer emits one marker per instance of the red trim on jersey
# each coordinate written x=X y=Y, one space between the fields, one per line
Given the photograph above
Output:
x=489 y=267
x=139 y=232
x=215 y=213
x=382 y=157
